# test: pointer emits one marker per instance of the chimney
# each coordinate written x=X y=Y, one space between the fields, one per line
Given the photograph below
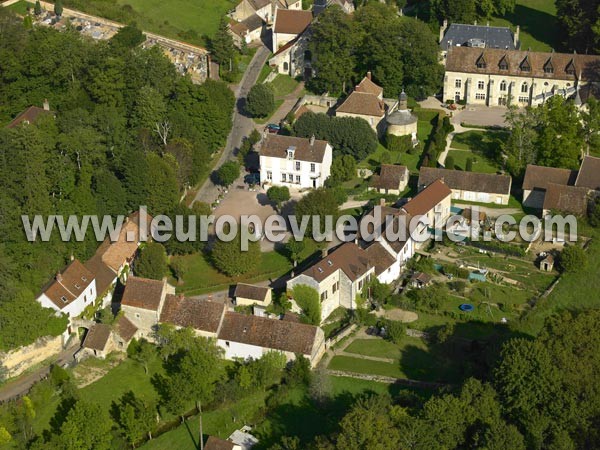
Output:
x=312 y=140
x=517 y=35
x=46 y=105
x=72 y=257
x=369 y=74
x=443 y=29
x=58 y=277
x=324 y=253
x=382 y=202
x=475 y=23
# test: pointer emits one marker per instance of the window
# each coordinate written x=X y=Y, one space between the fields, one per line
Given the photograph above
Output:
x=524 y=88
x=479 y=96
x=290 y=154
x=335 y=287
x=360 y=285
x=283 y=178
x=503 y=86
x=312 y=167
x=297 y=165
x=83 y=279
x=323 y=296
x=503 y=64
x=548 y=67
x=481 y=85
x=64 y=299
x=291 y=177
x=458 y=84
x=286 y=66
x=77 y=286
x=570 y=68
x=226 y=343
x=297 y=179
x=85 y=299
x=480 y=63
x=525 y=66
x=269 y=175
x=523 y=99
x=457 y=96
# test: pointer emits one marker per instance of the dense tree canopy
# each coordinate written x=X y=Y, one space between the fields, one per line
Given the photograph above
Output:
x=126 y=130
x=401 y=52
x=578 y=20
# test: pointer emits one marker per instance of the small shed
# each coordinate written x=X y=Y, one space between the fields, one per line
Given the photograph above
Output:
x=420 y=280
x=248 y=294
x=547 y=264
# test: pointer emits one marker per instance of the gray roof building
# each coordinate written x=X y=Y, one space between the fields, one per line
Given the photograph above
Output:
x=481 y=36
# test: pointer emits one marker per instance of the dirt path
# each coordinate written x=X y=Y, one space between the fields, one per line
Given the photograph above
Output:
x=388 y=380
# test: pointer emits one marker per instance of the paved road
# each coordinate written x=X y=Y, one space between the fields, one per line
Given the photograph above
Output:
x=242 y=125
x=22 y=385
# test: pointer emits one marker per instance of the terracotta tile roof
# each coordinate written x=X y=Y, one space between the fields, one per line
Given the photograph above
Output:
x=251 y=292
x=30 y=115
x=380 y=258
x=367 y=86
x=421 y=277
x=390 y=177
x=268 y=333
x=538 y=177
x=143 y=293
x=428 y=198
x=276 y=146
x=467 y=181
x=214 y=443
x=203 y=315
x=124 y=328
x=362 y=103
x=69 y=284
x=104 y=275
x=348 y=257
x=290 y=21
x=566 y=199
x=589 y=174
x=97 y=337
x=249 y=24
x=464 y=59
x=389 y=213
x=259 y=4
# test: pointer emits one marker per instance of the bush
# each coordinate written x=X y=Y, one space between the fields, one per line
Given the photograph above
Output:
x=395 y=331
x=449 y=163
x=398 y=143
x=228 y=173
x=308 y=299
x=572 y=258
x=152 y=263
x=278 y=195
x=469 y=165
x=260 y=101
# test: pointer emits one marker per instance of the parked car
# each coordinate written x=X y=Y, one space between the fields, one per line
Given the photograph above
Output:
x=273 y=128
x=252 y=178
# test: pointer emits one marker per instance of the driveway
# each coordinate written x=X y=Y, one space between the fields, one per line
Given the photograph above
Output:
x=481 y=115
x=242 y=125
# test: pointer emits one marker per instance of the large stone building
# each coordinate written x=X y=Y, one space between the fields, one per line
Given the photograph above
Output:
x=295 y=162
x=498 y=77
x=288 y=25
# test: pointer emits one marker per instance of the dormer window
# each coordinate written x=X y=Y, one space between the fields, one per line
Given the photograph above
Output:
x=77 y=286
x=64 y=299
x=320 y=270
x=481 y=64
x=503 y=64
x=548 y=67
x=83 y=279
x=329 y=263
x=525 y=66
x=570 y=68
x=290 y=152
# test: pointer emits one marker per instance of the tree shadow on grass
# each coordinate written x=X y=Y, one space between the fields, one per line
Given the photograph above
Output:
x=539 y=24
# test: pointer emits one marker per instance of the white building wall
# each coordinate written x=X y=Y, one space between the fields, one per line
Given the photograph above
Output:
x=244 y=351
x=302 y=176
x=75 y=308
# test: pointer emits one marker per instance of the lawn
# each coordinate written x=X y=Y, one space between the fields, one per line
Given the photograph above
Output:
x=373 y=161
x=263 y=120
x=537 y=19
x=283 y=85
x=201 y=277
x=20 y=7
x=480 y=163
x=413 y=359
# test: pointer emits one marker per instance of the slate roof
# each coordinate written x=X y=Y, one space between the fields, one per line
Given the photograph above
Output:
x=467 y=181
x=291 y=21
x=251 y=292
x=362 y=103
x=143 y=293
x=390 y=177
x=97 y=337
x=125 y=329
x=427 y=199
x=30 y=115
x=538 y=177
x=494 y=37
x=464 y=59
x=589 y=174
x=348 y=257
x=268 y=333
x=276 y=146
x=567 y=199
x=214 y=443
x=199 y=314
x=402 y=117
x=69 y=284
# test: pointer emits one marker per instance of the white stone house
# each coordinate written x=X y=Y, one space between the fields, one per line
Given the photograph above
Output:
x=288 y=25
x=294 y=162
x=71 y=290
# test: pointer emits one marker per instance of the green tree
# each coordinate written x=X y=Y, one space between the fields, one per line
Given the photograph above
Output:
x=58 y=8
x=228 y=173
x=572 y=258
x=152 y=262
x=578 y=20
x=294 y=250
x=299 y=373
x=260 y=101
x=229 y=258
x=307 y=298
x=469 y=165
x=134 y=416
x=37 y=9
x=144 y=354
x=320 y=203
x=449 y=163
x=130 y=36
x=222 y=49
x=278 y=195
x=87 y=426
x=343 y=168
x=254 y=137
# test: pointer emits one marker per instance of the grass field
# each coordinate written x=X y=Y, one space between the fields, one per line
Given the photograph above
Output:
x=413 y=359
x=21 y=7
x=283 y=85
x=537 y=19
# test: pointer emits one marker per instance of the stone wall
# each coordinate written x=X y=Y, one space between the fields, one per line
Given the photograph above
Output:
x=19 y=360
